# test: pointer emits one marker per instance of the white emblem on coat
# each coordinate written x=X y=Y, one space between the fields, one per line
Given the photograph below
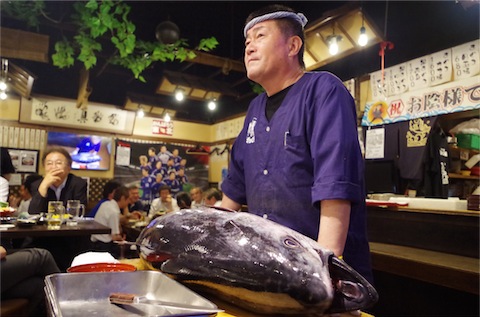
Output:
x=251 y=131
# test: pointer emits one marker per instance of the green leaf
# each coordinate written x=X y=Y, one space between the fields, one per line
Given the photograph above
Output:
x=92 y=4
x=207 y=44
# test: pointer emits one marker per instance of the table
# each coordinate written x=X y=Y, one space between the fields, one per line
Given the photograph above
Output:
x=131 y=232
x=64 y=243
x=83 y=228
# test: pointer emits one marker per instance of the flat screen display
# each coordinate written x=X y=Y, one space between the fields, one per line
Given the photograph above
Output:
x=88 y=152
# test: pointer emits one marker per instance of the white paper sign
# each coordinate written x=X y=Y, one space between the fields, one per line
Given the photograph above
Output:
x=441 y=67
x=466 y=60
x=123 y=156
x=418 y=73
x=375 y=143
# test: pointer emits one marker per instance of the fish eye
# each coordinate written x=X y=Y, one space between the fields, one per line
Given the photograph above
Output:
x=350 y=290
x=291 y=242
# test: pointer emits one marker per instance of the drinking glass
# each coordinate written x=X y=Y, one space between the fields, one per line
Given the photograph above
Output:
x=76 y=210
x=55 y=214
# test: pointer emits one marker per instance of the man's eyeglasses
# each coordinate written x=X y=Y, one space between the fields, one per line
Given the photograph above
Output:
x=55 y=163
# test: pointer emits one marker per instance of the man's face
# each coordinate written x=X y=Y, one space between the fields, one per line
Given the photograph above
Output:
x=164 y=193
x=265 y=49
x=196 y=195
x=124 y=201
x=56 y=163
x=134 y=195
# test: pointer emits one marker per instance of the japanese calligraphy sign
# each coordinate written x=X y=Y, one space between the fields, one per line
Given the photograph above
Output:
x=63 y=112
x=451 y=97
x=418 y=73
x=162 y=127
x=441 y=67
x=466 y=60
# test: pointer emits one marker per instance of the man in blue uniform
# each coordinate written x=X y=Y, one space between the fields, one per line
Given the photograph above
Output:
x=297 y=160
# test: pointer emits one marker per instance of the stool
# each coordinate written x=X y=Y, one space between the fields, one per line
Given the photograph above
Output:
x=13 y=307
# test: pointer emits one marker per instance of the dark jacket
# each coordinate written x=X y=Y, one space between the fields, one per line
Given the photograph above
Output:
x=75 y=189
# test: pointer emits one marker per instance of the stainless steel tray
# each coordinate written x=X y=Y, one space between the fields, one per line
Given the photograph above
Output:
x=87 y=294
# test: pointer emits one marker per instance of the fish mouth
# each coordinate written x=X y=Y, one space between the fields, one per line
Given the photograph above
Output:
x=351 y=290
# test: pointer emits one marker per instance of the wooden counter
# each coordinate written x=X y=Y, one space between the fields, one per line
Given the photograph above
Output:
x=449 y=270
x=433 y=246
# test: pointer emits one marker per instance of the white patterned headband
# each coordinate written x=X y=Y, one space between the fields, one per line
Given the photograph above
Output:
x=299 y=17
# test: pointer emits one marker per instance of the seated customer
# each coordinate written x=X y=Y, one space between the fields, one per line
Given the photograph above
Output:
x=165 y=203
x=6 y=171
x=196 y=194
x=58 y=183
x=213 y=197
x=183 y=200
x=23 y=274
x=109 y=215
x=23 y=201
x=107 y=194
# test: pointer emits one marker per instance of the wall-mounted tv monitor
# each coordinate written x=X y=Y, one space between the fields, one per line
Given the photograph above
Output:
x=88 y=152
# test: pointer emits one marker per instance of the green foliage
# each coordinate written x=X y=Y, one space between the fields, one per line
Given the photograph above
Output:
x=27 y=11
x=64 y=54
x=106 y=19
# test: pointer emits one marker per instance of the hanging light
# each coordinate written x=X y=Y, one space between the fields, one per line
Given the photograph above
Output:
x=3 y=95
x=179 y=95
x=332 y=41
x=212 y=105
x=166 y=117
x=140 y=112
x=3 y=85
x=363 y=38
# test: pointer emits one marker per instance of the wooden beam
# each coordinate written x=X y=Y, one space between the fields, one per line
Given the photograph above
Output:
x=225 y=64
x=23 y=45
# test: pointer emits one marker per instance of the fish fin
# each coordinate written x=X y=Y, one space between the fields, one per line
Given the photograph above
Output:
x=351 y=290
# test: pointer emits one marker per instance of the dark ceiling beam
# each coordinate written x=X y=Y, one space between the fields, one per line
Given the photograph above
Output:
x=225 y=64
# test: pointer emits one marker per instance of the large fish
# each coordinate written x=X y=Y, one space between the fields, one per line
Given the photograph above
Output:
x=252 y=262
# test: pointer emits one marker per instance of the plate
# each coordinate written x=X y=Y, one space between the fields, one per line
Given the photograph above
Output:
x=26 y=222
x=102 y=267
x=7 y=219
x=7 y=226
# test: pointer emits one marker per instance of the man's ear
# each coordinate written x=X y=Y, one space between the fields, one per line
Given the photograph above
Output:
x=294 y=45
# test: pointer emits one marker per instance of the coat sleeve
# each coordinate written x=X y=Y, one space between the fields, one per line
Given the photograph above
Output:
x=38 y=203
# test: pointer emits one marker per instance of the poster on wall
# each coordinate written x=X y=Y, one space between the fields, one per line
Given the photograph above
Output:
x=24 y=161
x=143 y=168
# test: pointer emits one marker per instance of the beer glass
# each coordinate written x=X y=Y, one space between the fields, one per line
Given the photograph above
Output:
x=55 y=214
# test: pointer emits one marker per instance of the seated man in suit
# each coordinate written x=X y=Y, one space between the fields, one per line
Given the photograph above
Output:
x=58 y=183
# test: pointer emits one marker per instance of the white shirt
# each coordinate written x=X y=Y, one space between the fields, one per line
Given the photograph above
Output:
x=108 y=215
x=23 y=207
x=158 y=206
x=3 y=189
x=195 y=204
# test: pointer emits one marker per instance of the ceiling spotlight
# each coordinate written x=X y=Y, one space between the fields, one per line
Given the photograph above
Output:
x=3 y=85
x=363 y=38
x=166 y=117
x=212 y=105
x=179 y=95
x=3 y=95
x=333 y=43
